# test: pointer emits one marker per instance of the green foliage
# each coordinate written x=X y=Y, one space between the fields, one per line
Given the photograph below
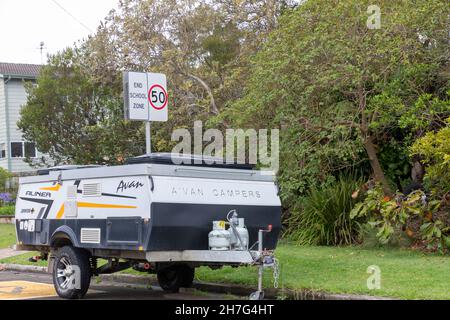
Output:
x=344 y=96
x=389 y=215
x=4 y=176
x=222 y=46
x=333 y=86
x=434 y=150
x=395 y=161
x=7 y=211
x=75 y=114
x=76 y=119
x=324 y=215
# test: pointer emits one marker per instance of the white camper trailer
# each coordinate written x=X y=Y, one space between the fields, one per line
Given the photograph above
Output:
x=150 y=214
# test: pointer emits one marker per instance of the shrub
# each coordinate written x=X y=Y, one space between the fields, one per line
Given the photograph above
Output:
x=324 y=217
x=434 y=149
x=400 y=213
x=7 y=211
x=4 y=176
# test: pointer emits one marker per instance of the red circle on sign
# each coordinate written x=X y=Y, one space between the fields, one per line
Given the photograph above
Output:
x=165 y=94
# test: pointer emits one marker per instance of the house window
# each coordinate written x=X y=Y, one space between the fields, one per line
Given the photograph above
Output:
x=2 y=150
x=23 y=150
x=30 y=150
x=16 y=150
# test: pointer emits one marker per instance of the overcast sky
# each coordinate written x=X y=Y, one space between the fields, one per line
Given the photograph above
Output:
x=25 y=23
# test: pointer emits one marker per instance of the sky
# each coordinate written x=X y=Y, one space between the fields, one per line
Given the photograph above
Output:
x=57 y=23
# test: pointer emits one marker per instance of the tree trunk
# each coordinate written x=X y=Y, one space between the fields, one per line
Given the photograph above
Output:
x=375 y=164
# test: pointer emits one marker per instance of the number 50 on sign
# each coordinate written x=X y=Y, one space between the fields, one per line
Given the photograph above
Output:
x=145 y=96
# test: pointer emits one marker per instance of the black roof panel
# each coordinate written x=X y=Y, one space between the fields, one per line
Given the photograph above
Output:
x=187 y=160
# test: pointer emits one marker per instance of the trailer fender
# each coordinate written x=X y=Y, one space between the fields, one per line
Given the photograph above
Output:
x=62 y=236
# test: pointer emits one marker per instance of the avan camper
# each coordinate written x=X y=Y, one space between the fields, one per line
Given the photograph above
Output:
x=150 y=214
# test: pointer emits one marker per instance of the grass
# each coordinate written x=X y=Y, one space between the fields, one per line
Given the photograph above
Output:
x=404 y=273
x=7 y=235
x=324 y=218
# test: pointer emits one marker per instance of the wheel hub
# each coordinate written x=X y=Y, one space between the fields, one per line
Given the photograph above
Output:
x=65 y=273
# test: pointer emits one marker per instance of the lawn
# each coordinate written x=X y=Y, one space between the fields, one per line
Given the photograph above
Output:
x=7 y=235
x=404 y=273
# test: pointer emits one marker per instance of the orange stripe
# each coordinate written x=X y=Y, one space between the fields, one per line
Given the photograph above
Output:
x=60 y=212
x=100 y=205
x=54 y=188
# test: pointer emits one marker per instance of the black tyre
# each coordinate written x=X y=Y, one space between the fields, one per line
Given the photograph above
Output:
x=188 y=274
x=171 y=278
x=68 y=262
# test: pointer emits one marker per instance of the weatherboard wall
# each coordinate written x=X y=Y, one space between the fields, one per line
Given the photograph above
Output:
x=3 y=161
x=12 y=98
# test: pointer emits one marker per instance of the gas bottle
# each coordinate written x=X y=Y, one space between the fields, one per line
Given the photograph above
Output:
x=219 y=238
x=238 y=233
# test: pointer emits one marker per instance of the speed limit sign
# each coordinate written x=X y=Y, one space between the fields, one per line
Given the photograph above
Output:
x=157 y=96
x=145 y=99
x=145 y=96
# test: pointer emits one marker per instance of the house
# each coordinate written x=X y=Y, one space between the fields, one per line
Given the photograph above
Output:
x=13 y=148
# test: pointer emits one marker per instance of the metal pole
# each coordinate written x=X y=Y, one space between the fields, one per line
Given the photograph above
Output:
x=261 y=266
x=148 y=142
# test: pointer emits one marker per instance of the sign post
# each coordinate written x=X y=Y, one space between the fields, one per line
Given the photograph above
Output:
x=145 y=99
x=148 y=140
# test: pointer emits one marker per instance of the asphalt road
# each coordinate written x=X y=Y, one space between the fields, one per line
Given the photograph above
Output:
x=38 y=286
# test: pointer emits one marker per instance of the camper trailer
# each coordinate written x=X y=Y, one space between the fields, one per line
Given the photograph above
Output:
x=157 y=213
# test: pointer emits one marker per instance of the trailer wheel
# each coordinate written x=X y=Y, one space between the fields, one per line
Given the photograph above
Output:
x=67 y=264
x=188 y=276
x=170 y=279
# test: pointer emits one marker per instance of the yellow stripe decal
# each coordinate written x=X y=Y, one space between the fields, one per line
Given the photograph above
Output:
x=60 y=212
x=54 y=188
x=101 y=205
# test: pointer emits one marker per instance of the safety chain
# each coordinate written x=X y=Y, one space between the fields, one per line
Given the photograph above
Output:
x=275 y=266
x=276 y=272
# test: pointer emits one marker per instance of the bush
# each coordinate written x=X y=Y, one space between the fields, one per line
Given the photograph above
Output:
x=369 y=238
x=324 y=217
x=414 y=215
x=434 y=149
x=7 y=211
x=4 y=176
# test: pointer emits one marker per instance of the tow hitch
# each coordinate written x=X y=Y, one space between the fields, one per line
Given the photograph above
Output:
x=266 y=259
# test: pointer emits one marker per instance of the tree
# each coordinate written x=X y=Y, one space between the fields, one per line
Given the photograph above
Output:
x=324 y=77
x=75 y=112
x=73 y=119
x=203 y=46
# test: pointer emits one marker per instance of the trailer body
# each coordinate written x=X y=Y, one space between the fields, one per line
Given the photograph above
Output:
x=151 y=214
x=143 y=207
